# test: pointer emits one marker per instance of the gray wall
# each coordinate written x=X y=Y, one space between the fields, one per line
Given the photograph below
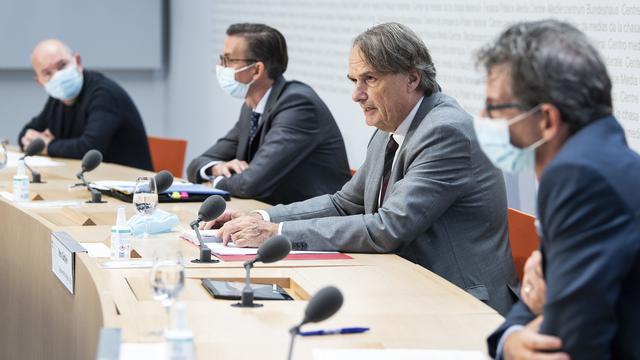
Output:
x=183 y=100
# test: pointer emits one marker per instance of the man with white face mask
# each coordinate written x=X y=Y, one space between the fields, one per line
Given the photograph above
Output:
x=85 y=110
x=286 y=146
x=549 y=110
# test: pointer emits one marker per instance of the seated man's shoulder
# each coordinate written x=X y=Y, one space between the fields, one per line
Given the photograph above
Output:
x=99 y=84
x=294 y=89
x=446 y=114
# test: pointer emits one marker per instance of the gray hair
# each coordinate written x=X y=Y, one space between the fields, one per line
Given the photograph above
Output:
x=394 y=48
x=553 y=62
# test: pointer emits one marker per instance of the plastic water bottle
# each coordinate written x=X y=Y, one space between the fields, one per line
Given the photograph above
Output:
x=179 y=339
x=21 y=183
x=121 y=236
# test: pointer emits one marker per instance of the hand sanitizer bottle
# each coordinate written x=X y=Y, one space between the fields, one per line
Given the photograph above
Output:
x=179 y=339
x=21 y=183
x=121 y=236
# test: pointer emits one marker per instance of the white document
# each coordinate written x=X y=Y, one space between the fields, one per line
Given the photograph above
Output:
x=208 y=236
x=230 y=249
x=41 y=204
x=99 y=250
x=143 y=351
x=127 y=264
x=7 y=195
x=33 y=161
x=125 y=186
x=396 y=354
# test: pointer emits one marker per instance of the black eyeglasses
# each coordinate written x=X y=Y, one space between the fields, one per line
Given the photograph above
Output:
x=510 y=105
x=225 y=60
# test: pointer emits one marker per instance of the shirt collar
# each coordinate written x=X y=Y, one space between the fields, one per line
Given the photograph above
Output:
x=263 y=102
x=403 y=128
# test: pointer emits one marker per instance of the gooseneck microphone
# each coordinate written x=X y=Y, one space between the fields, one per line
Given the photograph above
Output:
x=90 y=161
x=35 y=147
x=210 y=209
x=272 y=250
x=322 y=306
x=164 y=180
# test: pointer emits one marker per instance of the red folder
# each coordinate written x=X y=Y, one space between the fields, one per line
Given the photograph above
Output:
x=330 y=256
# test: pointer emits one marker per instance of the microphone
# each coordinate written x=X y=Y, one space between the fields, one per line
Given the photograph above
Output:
x=322 y=306
x=164 y=180
x=35 y=147
x=210 y=209
x=272 y=250
x=90 y=161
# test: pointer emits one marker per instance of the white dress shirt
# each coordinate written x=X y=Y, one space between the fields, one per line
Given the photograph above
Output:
x=398 y=135
x=215 y=179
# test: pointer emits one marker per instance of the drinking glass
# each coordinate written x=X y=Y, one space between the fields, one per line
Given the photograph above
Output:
x=145 y=199
x=3 y=154
x=167 y=280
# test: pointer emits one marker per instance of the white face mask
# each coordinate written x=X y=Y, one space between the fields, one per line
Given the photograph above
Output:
x=227 y=80
x=495 y=141
x=65 y=84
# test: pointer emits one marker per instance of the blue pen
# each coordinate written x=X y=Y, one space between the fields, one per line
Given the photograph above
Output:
x=349 y=330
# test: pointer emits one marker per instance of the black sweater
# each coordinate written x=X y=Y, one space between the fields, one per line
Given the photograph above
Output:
x=103 y=117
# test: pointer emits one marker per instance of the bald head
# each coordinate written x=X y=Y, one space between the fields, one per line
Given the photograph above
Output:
x=50 y=56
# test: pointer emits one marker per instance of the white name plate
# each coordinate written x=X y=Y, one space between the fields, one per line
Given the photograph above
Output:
x=63 y=248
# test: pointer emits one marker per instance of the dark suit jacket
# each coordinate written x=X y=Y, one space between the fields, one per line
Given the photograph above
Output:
x=103 y=117
x=445 y=207
x=298 y=152
x=589 y=206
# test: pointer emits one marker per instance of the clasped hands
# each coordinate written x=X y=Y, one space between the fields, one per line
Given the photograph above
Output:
x=245 y=229
x=32 y=134
x=227 y=168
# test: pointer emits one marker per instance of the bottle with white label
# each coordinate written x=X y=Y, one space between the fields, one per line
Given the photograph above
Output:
x=21 y=183
x=179 y=339
x=121 y=236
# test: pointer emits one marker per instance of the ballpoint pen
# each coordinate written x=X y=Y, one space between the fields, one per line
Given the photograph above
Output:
x=348 y=330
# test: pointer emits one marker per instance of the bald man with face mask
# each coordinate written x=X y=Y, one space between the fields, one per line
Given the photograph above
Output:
x=85 y=110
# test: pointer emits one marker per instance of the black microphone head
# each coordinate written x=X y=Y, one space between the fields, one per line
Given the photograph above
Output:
x=211 y=208
x=35 y=147
x=323 y=305
x=91 y=160
x=164 y=180
x=273 y=249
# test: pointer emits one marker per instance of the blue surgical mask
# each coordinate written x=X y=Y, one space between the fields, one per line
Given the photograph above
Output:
x=227 y=80
x=495 y=141
x=65 y=84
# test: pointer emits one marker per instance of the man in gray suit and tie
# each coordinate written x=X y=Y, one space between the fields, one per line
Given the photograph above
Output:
x=425 y=190
x=286 y=146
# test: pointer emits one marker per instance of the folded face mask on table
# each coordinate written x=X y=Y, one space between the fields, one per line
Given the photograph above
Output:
x=161 y=221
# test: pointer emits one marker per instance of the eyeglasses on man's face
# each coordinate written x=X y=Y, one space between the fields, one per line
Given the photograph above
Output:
x=491 y=109
x=226 y=61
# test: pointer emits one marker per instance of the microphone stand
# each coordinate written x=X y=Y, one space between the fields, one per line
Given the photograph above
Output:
x=35 y=176
x=247 y=293
x=294 y=331
x=96 y=196
x=205 y=252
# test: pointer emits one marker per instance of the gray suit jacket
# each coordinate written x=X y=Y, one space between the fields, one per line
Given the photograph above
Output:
x=445 y=207
x=297 y=154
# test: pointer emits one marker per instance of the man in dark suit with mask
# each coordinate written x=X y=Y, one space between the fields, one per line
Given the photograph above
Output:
x=549 y=110
x=286 y=146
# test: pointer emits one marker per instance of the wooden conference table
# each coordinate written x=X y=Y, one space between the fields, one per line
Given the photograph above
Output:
x=405 y=305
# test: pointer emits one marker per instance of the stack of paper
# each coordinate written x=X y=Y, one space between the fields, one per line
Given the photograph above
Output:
x=230 y=252
x=208 y=236
x=400 y=354
x=32 y=161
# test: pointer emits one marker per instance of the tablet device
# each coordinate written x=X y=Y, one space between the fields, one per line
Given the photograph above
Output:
x=232 y=290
